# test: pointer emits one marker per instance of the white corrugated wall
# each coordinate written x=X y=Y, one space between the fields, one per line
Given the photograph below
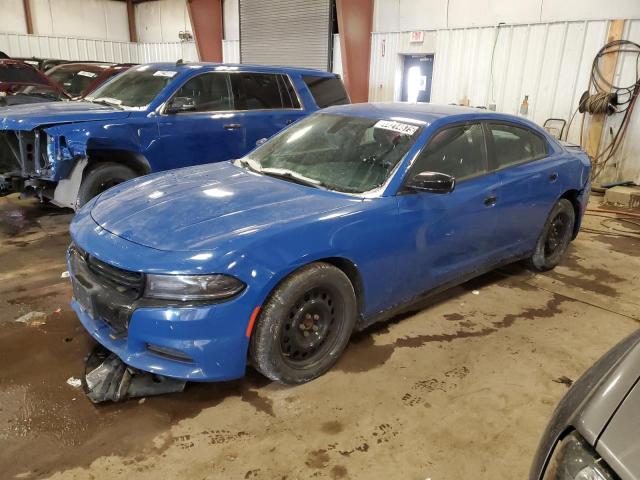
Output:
x=68 y=48
x=231 y=51
x=549 y=62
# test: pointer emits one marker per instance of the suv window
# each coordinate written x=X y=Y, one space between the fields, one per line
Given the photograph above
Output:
x=458 y=151
x=256 y=91
x=208 y=92
x=326 y=91
x=289 y=94
x=513 y=145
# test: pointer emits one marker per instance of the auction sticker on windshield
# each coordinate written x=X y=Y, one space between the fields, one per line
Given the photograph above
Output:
x=399 y=127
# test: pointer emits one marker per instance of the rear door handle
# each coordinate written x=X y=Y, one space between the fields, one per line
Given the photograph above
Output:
x=553 y=177
x=490 y=201
x=232 y=126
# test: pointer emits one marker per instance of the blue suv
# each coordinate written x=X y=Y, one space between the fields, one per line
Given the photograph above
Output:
x=152 y=118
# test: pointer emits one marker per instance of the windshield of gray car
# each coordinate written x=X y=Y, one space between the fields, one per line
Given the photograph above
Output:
x=335 y=152
x=135 y=89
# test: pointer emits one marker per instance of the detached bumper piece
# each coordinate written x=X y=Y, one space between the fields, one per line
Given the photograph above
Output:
x=107 y=378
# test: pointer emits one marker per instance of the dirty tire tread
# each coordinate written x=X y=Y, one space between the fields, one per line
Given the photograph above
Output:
x=100 y=173
x=264 y=348
x=537 y=261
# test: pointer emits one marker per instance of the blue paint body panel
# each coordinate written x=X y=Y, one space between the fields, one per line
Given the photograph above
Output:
x=163 y=141
x=221 y=218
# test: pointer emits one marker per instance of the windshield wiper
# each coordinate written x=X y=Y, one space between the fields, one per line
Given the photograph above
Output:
x=247 y=164
x=293 y=177
x=107 y=103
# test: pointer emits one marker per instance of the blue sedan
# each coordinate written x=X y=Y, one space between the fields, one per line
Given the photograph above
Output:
x=345 y=218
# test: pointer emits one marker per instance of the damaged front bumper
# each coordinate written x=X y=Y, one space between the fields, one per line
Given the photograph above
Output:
x=191 y=343
x=32 y=162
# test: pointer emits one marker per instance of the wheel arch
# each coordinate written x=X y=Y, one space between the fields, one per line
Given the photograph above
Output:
x=572 y=195
x=134 y=160
x=345 y=265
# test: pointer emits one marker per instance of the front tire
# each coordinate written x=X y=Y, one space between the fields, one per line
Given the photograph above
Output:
x=555 y=237
x=102 y=177
x=304 y=325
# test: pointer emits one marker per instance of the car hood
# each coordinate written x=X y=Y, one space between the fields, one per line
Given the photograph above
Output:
x=198 y=208
x=619 y=444
x=28 y=117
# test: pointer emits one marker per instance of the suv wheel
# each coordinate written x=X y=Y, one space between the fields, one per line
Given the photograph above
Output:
x=102 y=177
x=556 y=235
x=305 y=325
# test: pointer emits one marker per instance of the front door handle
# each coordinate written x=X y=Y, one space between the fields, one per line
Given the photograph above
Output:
x=232 y=126
x=490 y=201
x=553 y=177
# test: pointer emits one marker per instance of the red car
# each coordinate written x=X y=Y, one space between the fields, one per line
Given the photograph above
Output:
x=23 y=83
x=80 y=78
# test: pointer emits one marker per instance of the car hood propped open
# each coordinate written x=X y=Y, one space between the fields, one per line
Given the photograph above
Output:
x=196 y=208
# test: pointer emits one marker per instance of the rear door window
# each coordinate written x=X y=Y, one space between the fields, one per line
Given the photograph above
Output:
x=208 y=92
x=513 y=145
x=458 y=151
x=326 y=91
x=256 y=91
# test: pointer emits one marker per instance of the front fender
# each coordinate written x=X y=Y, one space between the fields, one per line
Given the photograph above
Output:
x=72 y=142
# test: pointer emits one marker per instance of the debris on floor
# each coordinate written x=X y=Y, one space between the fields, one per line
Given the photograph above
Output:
x=33 y=318
x=107 y=378
x=74 y=382
x=564 y=380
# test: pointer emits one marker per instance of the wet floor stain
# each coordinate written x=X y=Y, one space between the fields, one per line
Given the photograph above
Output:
x=260 y=403
x=589 y=278
x=332 y=427
x=40 y=412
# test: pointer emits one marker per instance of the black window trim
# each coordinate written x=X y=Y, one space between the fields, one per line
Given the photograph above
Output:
x=163 y=107
x=491 y=146
x=402 y=190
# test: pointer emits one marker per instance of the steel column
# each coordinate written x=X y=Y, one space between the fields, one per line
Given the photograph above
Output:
x=355 y=21
x=206 y=23
x=27 y=16
x=131 y=17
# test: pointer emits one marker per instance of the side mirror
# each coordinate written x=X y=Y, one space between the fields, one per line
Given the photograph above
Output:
x=433 y=182
x=180 y=104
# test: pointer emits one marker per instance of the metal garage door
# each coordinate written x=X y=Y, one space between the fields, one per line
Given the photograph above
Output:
x=285 y=32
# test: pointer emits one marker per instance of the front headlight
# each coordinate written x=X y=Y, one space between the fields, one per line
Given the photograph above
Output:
x=192 y=287
x=575 y=459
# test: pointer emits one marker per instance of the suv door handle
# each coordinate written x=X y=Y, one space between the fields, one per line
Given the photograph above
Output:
x=232 y=126
x=490 y=201
x=553 y=177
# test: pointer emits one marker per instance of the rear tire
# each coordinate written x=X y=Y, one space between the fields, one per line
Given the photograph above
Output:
x=555 y=237
x=102 y=177
x=304 y=325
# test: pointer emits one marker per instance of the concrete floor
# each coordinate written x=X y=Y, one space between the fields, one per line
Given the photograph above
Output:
x=461 y=389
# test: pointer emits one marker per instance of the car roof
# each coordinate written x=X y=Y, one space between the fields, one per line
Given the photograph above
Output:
x=240 y=67
x=420 y=112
